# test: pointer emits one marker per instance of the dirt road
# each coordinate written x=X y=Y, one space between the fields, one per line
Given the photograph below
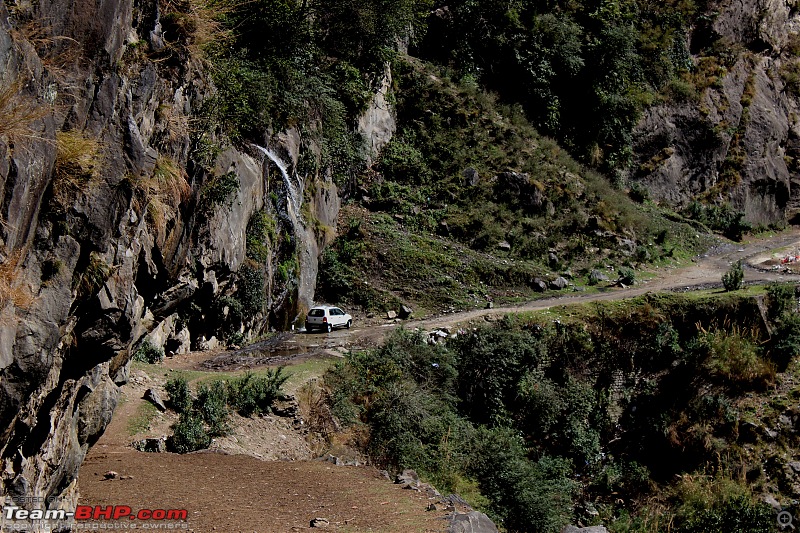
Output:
x=758 y=258
x=244 y=494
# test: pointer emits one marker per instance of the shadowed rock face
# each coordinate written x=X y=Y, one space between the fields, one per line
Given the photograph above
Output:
x=106 y=234
x=739 y=141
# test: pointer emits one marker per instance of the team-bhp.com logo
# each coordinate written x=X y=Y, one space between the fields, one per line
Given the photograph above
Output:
x=87 y=512
x=87 y=516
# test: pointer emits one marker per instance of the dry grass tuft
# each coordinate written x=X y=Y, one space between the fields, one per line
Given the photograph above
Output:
x=78 y=163
x=11 y=288
x=196 y=24
x=18 y=111
x=163 y=191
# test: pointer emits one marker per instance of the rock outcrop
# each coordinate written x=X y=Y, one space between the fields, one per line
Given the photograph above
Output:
x=738 y=139
x=117 y=226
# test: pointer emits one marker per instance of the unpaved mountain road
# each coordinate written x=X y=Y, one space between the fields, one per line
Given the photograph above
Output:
x=237 y=493
x=705 y=272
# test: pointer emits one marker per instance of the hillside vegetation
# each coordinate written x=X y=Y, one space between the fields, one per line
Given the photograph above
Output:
x=469 y=202
x=660 y=413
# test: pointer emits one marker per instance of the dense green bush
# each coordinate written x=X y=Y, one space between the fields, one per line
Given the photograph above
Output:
x=178 y=394
x=219 y=191
x=732 y=356
x=253 y=394
x=621 y=400
x=785 y=342
x=189 y=434
x=147 y=352
x=212 y=405
x=780 y=299
x=585 y=70
x=260 y=236
x=250 y=288
x=627 y=275
x=721 y=218
x=527 y=495
x=739 y=513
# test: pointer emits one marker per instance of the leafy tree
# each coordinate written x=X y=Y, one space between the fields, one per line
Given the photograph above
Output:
x=732 y=279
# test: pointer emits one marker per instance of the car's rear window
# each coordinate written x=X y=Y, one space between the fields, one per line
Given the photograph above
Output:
x=316 y=312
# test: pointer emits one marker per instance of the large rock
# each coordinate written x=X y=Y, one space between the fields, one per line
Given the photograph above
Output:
x=741 y=136
x=152 y=396
x=471 y=522
x=539 y=285
x=378 y=123
x=471 y=177
x=518 y=190
x=595 y=277
x=106 y=258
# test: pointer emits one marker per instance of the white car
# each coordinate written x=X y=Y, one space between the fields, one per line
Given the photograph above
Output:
x=326 y=318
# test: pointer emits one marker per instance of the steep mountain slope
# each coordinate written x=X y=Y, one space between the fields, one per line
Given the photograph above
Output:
x=171 y=172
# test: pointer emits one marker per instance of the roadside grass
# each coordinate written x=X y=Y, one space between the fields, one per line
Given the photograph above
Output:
x=586 y=311
x=140 y=422
x=299 y=373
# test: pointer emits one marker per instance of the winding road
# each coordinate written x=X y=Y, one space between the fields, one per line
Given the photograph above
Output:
x=705 y=272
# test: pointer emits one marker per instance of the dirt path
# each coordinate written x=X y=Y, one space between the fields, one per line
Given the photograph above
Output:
x=241 y=493
x=236 y=493
x=705 y=272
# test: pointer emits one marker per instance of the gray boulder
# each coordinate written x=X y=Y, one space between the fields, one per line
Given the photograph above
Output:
x=595 y=277
x=559 y=283
x=471 y=177
x=153 y=397
x=407 y=477
x=539 y=285
x=472 y=522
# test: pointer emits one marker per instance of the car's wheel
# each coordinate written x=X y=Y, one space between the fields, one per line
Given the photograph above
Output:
x=308 y=327
x=330 y=327
x=349 y=323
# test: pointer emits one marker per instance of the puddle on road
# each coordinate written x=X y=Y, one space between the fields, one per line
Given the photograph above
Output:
x=284 y=348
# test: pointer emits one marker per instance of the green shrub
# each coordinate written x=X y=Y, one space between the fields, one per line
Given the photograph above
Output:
x=527 y=495
x=178 y=394
x=212 y=405
x=780 y=299
x=734 y=357
x=733 y=279
x=627 y=275
x=260 y=236
x=189 y=434
x=250 y=288
x=229 y=323
x=639 y=193
x=785 y=341
x=148 y=353
x=253 y=394
x=736 y=514
x=219 y=191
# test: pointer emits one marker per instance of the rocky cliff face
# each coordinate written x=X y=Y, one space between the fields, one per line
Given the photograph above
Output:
x=122 y=221
x=737 y=138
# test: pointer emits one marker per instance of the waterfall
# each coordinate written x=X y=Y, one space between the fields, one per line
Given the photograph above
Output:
x=305 y=241
x=294 y=193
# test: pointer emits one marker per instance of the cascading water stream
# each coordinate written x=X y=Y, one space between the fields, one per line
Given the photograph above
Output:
x=305 y=241
x=294 y=194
